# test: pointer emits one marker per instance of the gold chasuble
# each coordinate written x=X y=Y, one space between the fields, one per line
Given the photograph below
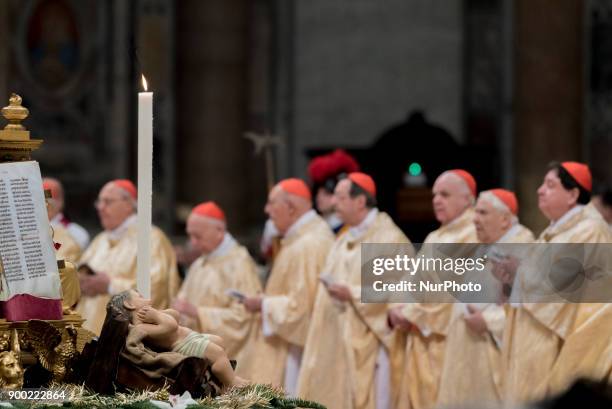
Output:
x=471 y=372
x=346 y=340
x=425 y=347
x=228 y=267
x=587 y=352
x=69 y=249
x=555 y=342
x=287 y=304
x=114 y=253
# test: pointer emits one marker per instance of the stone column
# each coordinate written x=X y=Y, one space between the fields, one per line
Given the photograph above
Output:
x=548 y=74
x=214 y=160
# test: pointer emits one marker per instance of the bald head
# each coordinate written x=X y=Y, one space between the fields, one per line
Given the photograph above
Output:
x=300 y=203
x=205 y=233
x=451 y=197
x=285 y=208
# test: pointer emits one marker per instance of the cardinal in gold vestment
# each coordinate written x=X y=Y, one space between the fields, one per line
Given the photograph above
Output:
x=207 y=299
x=454 y=192
x=471 y=372
x=349 y=348
x=285 y=307
x=544 y=343
x=108 y=266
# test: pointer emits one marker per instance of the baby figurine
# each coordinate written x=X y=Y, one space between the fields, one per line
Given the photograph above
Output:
x=164 y=333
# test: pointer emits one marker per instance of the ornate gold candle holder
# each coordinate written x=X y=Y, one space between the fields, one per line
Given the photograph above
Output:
x=53 y=344
x=15 y=142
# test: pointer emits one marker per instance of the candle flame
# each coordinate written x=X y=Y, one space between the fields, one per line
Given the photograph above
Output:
x=144 y=82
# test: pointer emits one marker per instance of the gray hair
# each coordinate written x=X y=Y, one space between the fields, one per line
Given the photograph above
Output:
x=213 y=221
x=497 y=204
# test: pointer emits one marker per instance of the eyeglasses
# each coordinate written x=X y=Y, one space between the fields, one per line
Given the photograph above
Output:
x=106 y=202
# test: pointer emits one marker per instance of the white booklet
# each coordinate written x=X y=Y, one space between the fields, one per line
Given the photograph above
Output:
x=27 y=254
x=326 y=279
x=240 y=296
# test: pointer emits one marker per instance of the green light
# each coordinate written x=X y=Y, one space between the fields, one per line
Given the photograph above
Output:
x=414 y=169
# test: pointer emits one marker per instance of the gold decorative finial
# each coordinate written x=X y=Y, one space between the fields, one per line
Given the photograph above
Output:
x=15 y=142
x=15 y=113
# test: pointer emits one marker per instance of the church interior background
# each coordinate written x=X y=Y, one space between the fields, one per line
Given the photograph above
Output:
x=512 y=91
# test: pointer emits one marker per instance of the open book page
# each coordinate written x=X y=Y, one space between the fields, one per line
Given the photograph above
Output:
x=26 y=247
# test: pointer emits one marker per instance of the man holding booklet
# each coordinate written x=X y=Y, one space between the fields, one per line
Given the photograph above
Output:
x=286 y=305
x=209 y=299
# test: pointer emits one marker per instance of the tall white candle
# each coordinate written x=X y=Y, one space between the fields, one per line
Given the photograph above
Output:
x=145 y=189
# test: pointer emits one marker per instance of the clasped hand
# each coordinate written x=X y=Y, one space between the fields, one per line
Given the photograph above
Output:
x=505 y=269
x=340 y=292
